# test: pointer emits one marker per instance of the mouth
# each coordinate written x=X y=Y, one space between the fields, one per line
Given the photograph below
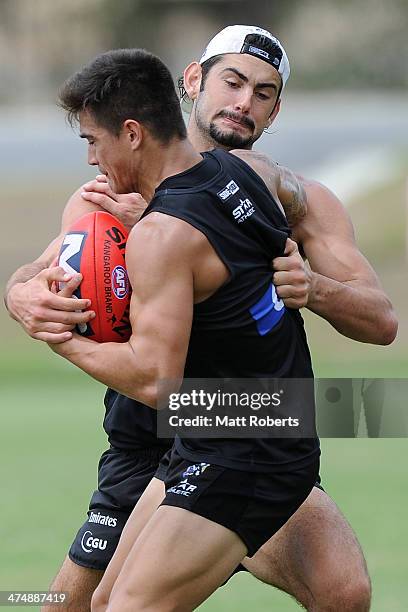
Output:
x=237 y=123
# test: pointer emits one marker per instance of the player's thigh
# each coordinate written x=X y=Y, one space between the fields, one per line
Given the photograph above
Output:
x=179 y=559
x=79 y=583
x=316 y=550
x=143 y=511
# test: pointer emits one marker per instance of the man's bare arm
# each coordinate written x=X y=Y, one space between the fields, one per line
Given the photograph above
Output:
x=28 y=298
x=291 y=277
x=345 y=290
x=28 y=271
x=127 y=207
x=43 y=314
x=343 y=287
x=159 y=265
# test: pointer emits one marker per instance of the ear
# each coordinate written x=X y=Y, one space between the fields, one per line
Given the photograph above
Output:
x=273 y=114
x=192 y=80
x=134 y=132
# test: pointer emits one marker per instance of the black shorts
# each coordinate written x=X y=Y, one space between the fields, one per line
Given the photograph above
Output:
x=161 y=471
x=122 y=478
x=252 y=504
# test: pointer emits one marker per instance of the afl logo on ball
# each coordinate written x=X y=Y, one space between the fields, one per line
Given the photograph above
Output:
x=120 y=282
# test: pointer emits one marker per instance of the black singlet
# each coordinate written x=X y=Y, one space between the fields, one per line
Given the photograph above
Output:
x=243 y=330
x=131 y=425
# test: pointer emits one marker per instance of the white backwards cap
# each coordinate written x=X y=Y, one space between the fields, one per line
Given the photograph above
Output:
x=253 y=41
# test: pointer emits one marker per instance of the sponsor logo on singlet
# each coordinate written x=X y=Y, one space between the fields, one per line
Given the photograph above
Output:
x=89 y=543
x=242 y=212
x=228 y=191
x=102 y=519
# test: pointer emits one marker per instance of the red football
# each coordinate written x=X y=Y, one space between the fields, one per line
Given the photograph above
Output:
x=95 y=247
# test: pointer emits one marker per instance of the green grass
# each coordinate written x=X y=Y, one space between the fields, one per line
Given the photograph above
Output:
x=51 y=438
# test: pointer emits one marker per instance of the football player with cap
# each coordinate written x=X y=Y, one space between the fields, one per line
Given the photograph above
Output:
x=232 y=124
x=230 y=103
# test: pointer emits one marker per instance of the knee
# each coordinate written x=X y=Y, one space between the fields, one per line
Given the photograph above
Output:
x=353 y=595
x=356 y=595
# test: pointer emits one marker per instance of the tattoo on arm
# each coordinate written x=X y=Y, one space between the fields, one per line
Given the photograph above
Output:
x=295 y=204
x=281 y=182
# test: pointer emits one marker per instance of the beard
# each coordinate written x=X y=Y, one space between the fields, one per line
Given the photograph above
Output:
x=230 y=139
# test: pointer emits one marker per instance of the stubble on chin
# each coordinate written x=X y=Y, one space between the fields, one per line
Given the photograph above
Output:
x=229 y=139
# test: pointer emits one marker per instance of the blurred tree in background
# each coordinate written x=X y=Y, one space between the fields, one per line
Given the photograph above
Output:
x=146 y=21
x=344 y=44
x=349 y=44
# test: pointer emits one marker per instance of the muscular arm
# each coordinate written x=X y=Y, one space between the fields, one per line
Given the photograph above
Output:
x=28 y=271
x=43 y=314
x=161 y=316
x=291 y=278
x=93 y=196
x=345 y=289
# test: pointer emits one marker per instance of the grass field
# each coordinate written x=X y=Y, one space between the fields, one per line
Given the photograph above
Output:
x=51 y=438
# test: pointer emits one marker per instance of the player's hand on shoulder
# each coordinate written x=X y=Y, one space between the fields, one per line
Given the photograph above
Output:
x=127 y=207
x=292 y=277
x=45 y=313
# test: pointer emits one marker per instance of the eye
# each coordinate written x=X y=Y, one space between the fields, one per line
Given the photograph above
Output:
x=232 y=84
x=262 y=96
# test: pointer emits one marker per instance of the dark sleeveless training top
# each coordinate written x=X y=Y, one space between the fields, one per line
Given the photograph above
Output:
x=243 y=330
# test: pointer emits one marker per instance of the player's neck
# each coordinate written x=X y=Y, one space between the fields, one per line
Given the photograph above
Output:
x=173 y=158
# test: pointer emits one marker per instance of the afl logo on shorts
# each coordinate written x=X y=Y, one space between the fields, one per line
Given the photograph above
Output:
x=120 y=282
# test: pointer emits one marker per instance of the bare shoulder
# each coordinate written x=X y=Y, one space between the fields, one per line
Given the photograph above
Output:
x=281 y=182
x=260 y=162
x=75 y=208
x=267 y=169
x=325 y=212
x=320 y=195
x=166 y=236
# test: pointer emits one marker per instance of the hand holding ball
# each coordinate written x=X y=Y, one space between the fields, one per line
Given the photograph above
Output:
x=95 y=247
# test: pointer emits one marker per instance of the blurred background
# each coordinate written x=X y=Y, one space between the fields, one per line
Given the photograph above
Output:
x=344 y=121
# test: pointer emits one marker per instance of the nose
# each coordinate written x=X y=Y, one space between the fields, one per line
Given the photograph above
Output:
x=92 y=161
x=243 y=101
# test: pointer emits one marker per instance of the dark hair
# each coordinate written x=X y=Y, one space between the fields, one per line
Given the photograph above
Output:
x=125 y=84
x=272 y=47
x=205 y=69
